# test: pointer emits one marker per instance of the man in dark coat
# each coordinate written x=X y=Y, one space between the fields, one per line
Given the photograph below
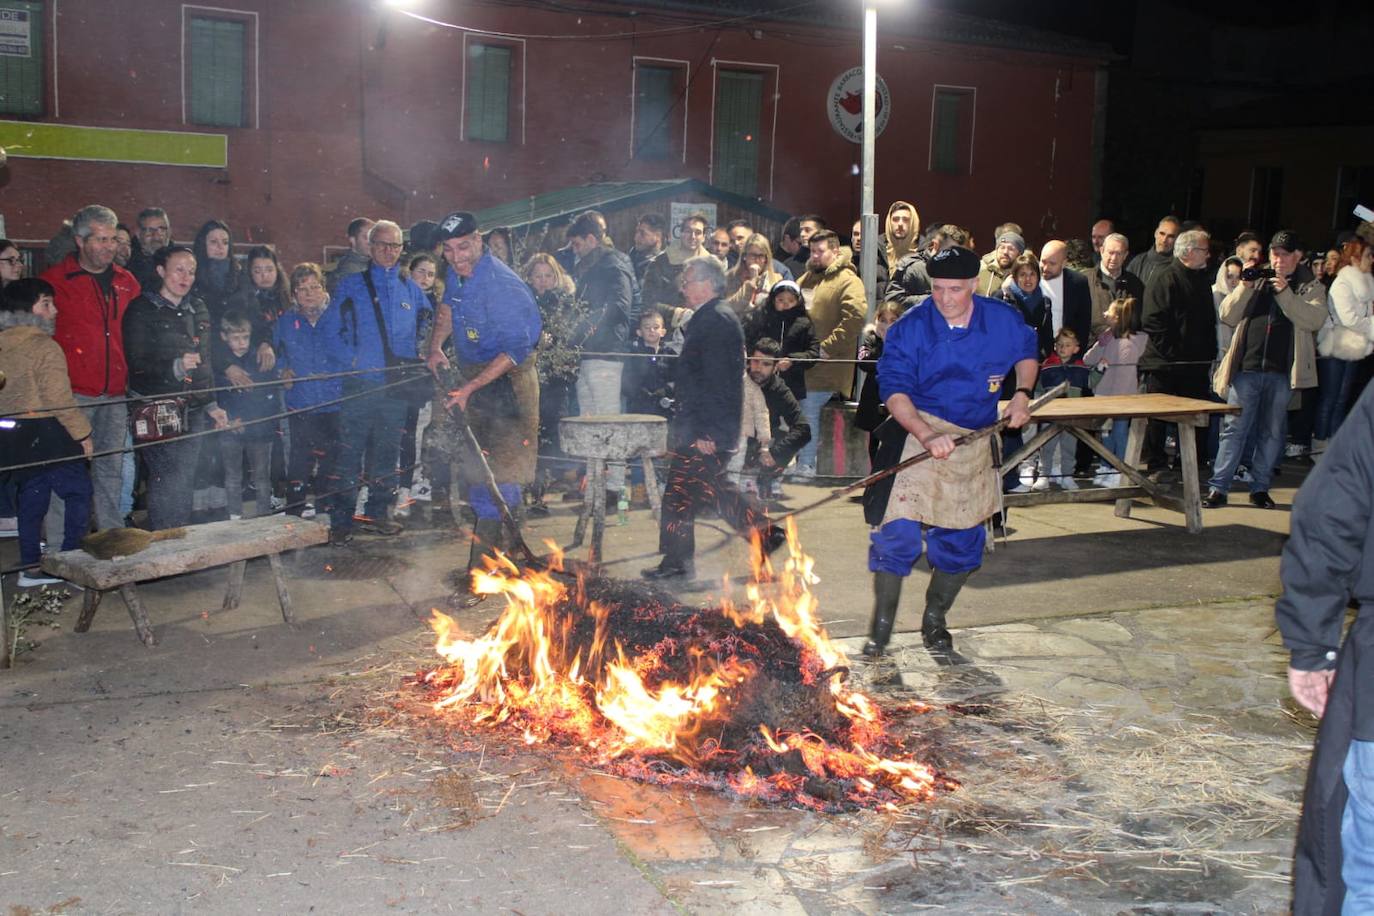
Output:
x=1181 y=319
x=1327 y=563
x=705 y=432
x=1146 y=264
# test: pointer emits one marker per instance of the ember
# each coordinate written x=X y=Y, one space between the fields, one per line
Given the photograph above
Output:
x=749 y=699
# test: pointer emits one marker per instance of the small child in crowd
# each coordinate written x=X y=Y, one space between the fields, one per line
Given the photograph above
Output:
x=1116 y=352
x=1063 y=365
x=251 y=440
x=648 y=376
x=35 y=373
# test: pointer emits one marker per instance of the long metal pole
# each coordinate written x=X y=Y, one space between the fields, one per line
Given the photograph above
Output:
x=868 y=218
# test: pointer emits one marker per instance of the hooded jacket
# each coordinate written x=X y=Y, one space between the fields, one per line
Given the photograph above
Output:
x=835 y=302
x=895 y=251
x=35 y=373
x=795 y=333
x=90 y=325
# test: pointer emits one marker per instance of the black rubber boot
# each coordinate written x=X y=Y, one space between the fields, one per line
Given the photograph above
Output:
x=940 y=594
x=887 y=593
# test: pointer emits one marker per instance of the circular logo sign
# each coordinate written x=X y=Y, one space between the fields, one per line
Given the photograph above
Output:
x=845 y=105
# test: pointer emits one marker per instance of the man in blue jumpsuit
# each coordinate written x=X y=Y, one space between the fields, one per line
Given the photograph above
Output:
x=495 y=325
x=940 y=376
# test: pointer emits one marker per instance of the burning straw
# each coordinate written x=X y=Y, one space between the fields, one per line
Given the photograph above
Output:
x=748 y=699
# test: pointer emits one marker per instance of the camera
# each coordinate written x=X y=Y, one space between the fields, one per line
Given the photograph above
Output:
x=1253 y=274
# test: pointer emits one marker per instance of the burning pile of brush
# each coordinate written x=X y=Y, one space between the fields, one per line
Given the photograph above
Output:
x=750 y=699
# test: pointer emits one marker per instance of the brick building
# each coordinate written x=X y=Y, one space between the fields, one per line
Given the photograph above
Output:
x=288 y=117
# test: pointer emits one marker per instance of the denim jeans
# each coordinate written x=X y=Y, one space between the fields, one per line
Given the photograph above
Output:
x=237 y=447
x=598 y=394
x=1116 y=437
x=372 y=424
x=1337 y=377
x=811 y=409
x=1357 y=829
x=70 y=482
x=171 y=476
x=109 y=430
x=1263 y=401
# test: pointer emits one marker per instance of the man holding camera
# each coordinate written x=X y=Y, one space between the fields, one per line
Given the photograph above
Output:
x=1275 y=312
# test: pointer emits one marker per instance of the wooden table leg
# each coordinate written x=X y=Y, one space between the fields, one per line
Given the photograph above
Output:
x=140 y=614
x=596 y=497
x=234 y=593
x=282 y=595
x=1187 y=456
x=89 y=604
x=1135 y=443
x=651 y=486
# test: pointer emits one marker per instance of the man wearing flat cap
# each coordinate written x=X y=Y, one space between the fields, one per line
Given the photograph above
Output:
x=940 y=376
x=494 y=322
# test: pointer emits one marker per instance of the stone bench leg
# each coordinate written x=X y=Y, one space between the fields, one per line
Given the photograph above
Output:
x=596 y=470
x=89 y=605
x=651 y=487
x=282 y=595
x=234 y=593
x=139 y=614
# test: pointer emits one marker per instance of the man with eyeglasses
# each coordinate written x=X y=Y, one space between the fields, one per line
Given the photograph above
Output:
x=154 y=231
x=661 y=287
x=1180 y=317
x=373 y=423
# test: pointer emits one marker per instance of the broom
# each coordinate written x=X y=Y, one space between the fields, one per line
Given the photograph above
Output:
x=123 y=542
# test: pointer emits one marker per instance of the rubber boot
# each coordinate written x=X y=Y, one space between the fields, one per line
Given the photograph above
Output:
x=940 y=594
x=887 y=593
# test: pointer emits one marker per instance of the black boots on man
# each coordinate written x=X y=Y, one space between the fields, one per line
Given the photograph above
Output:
x=887 y=593
x=940 y=594
x=488 y=536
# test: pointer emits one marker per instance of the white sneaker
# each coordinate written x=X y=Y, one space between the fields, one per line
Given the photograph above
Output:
x=36 y=578
x=361 y=504
x=1294 y=450
x=278 y=503
x=403 y=501
x=1041 y=484
x=1108 y=479
x=421 y=490
x=1027 y=475
x=9 y=527
x=234 y=518
x=1020 y=488
x=1068 y=483
x=308 y=511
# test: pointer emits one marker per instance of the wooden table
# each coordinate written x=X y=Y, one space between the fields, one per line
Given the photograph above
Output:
x=231 y=543
x=1082 y=417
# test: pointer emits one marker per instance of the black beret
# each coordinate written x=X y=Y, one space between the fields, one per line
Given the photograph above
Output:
x=954 y=263
x=456 y=225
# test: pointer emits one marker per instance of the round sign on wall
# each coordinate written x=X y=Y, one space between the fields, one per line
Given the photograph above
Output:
x=845 y=105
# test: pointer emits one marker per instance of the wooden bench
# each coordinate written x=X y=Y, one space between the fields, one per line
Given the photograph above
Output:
x=204 y=547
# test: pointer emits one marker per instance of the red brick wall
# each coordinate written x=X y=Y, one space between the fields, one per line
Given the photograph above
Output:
x=349 y=128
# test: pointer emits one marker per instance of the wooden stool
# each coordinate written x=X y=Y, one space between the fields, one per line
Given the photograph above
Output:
x=599 y=439
x=231 y=543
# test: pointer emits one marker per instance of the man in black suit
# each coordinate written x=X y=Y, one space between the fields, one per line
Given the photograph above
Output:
x=1068 y=299
x=705 y=431
x=1069 y=304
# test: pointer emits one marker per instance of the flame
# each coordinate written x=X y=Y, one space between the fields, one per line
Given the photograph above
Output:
x=539 y=675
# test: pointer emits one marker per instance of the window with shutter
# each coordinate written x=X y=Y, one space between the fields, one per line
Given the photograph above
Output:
x=23 y=57
x=951 y=130
x=488 y=92
x=655 y=97
x=215 y=82
x=739 y=104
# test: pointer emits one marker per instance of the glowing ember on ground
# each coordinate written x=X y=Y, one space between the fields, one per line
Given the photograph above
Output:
x=747 y=698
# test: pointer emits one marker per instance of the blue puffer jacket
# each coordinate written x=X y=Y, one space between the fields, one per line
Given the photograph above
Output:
x=308 y=349
x=401 y=302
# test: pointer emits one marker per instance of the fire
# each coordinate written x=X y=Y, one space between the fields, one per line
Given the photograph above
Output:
x=749 y=698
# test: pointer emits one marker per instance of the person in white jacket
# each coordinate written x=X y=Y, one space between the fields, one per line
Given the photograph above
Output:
x=1345 y=339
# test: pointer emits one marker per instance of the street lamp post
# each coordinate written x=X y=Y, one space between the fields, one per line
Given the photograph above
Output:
x=868 y=218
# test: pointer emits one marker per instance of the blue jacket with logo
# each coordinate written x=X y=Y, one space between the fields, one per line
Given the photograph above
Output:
x=493 y=313
x=308 y=349
x=954 y=373
x=401 y=301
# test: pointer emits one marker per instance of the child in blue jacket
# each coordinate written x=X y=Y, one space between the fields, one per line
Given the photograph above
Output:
x=244 y=405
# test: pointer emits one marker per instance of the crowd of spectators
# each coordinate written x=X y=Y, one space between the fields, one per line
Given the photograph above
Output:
x=192 y=383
